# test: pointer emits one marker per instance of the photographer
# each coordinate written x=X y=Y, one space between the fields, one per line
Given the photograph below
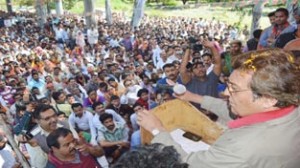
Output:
x=196 y=80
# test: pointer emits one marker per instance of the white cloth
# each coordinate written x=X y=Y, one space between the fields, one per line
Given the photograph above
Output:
x=92 y=36
x=156 y=55
x=131 y=96
x=209 y=69
x=7 y=160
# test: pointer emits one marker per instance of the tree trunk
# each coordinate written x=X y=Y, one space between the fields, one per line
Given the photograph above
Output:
x=108 y=14
x=89 y=12
x=290 y=5
x=59 y=7
x=257 y=12
x=9 y=6
x=13 y=144
x=41 y=11
x=138 y=12
x=197 y=4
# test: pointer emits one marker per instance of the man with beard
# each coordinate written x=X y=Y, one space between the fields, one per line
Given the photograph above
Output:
x=113 y=136
x=281 y=26
x=198 y=81
x=235 y=50
x=263 y=94
x=66 y=151
x=99 y=109
x=283 y=39
x=172 y=77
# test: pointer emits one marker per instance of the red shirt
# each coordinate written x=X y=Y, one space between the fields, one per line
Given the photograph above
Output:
x=84 y=161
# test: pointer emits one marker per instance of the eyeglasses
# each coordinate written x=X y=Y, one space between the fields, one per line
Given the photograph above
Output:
x=232 y=91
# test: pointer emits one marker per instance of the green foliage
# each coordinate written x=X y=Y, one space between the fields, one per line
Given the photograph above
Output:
x=26 y=2
x=169 y=2
x=69 y=4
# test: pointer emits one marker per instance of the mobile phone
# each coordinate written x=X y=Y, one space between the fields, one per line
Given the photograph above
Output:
x=192 y=136
x=27 y=135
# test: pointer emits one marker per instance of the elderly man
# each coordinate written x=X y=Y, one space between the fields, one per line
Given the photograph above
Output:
x=263 y=93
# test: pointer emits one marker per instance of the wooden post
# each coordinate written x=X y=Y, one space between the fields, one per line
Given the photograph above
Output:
x=13 y=144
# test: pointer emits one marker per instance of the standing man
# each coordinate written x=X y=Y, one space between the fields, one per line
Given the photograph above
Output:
x=198 y=81
x=235 y=50
x=281 y=26
x=283 y=39
x=264 y=36
x=92 y=35
x=172 y=77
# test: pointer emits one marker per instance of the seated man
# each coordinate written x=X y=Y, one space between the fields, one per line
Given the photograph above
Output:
x=79 y=119
x=99 y=109
x=60 y=102
x=123 y=109
x=66 y=151
x=136 y=135
x=113 y=136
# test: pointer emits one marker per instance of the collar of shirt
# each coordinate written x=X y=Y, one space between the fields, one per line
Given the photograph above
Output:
x=117 y=126
x=260 y=117
x=43 y=132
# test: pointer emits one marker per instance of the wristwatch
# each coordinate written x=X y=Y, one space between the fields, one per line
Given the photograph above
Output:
x=155 y=132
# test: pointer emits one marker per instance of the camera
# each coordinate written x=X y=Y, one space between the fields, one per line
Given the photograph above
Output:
x=27 y=135
x=194 y=46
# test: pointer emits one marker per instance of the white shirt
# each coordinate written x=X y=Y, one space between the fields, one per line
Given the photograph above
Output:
x=84 y=122
x=92 y=36
x=114 y=43
x=7 y=160
x=156 y=55
x=209 y=69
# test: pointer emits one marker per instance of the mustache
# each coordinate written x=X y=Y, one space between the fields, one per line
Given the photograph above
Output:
x=231 y=114
x=111 y=126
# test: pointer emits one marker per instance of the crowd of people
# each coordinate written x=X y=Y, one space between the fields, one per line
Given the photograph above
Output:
x=75 y=95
